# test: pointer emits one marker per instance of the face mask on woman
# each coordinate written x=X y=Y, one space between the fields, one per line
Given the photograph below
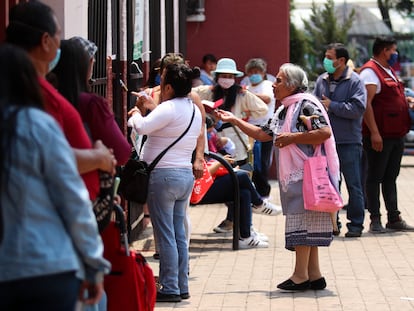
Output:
x=255 y=78
x=226 y=83
x=55 y=61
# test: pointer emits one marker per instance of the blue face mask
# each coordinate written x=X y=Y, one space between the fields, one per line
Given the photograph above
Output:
x=157 y=79
x=255 y=78
x=393 y=59
x=328 y=65
x=55 y=61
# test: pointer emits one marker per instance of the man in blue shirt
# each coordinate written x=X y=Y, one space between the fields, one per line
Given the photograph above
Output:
x=344 y=97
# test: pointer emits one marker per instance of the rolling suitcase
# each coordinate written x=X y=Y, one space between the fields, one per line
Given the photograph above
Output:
x=130 y=284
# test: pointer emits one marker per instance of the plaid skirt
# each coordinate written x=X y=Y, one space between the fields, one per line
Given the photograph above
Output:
x=308 y=229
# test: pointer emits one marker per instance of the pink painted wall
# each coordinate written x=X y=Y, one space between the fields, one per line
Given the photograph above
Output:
x=241 y=30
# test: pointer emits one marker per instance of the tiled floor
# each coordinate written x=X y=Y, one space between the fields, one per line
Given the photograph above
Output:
x=374 y=272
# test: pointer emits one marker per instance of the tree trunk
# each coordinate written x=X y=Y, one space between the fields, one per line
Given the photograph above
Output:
x=384 y=7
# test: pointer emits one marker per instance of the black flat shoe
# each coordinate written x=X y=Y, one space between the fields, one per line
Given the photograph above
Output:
x=318 y=284
x=290 y=285
x=168 y=297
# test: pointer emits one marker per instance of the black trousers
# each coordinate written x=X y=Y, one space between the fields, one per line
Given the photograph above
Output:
x=382 y=171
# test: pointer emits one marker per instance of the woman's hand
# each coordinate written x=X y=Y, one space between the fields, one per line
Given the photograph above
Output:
x=229 y=158
x=226 y=116
x=198 y=168
x=106 y=157
x=144 y=102
x=90 y=293
x=283 y=140
x=133 y=111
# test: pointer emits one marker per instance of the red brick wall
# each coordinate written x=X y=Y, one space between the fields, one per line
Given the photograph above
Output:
x=241 y=30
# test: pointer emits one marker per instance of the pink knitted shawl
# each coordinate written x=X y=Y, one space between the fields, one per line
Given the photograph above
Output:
x=291 y=157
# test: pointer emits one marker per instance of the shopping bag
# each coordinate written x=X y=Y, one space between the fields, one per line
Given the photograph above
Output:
x=319 y=194
x=201 y=186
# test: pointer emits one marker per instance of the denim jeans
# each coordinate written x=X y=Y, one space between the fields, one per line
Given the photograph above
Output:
x=262 y=161
x=350 y=159
x=222 y=191
x=383 y=169
x=168 y=195
x=56 y=292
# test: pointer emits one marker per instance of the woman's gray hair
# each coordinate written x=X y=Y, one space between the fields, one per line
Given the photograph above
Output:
x=256 y=63
x=295 y=76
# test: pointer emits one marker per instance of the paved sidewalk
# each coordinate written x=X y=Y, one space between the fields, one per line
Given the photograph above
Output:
x=374 y=272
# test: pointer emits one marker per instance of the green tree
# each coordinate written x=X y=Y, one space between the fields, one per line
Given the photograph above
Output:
x=297 y=44
x=321 y=29
x=405 y=7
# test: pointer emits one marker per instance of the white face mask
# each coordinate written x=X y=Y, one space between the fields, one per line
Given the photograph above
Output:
x=226 y=83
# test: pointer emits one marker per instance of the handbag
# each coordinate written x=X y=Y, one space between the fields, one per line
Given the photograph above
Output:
x=319 y=194
x=136 y=173
x=103 y=204
x=201 y=185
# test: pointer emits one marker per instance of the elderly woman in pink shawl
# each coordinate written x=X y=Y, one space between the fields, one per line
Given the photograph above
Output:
x=297 y=126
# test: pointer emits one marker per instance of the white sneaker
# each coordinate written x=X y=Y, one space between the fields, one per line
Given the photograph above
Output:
x=259 y=235
x=267 y=208
x=252 y=242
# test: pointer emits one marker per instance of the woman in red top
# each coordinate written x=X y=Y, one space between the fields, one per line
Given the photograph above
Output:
x=73 y=83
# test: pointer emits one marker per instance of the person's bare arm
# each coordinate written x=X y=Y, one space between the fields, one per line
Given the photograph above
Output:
x=213 y=167
x=201 y=140
x=249 y=129
x=369 y=119
x=313 y=137
x=99 y=157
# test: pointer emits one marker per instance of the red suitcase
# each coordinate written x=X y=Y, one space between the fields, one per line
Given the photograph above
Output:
x=131 y=283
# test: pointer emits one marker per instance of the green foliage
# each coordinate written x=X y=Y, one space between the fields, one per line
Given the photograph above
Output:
x=298 y=43
x=405 y=7
x=298 y=46
x=323 y=28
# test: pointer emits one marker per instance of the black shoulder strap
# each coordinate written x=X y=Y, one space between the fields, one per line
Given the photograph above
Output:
x=158 y=158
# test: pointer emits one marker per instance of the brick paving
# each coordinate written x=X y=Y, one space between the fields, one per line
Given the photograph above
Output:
x=373 y=272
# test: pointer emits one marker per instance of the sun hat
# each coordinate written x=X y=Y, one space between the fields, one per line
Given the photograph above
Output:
x=227 y=65
x=89 y=46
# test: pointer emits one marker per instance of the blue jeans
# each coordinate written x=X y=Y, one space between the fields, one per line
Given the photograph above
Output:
x=350 y=159
x=168 y=195
x=262 y=161
x=383 y=169
x=222 y=191
x=56 y=292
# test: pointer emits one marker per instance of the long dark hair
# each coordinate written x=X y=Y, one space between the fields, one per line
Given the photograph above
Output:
x=229 y=95
x=70 y=74
x=19 y=89
x=28 y=22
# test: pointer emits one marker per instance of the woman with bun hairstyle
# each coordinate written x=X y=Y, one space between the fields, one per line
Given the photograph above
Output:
x=172 y=179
